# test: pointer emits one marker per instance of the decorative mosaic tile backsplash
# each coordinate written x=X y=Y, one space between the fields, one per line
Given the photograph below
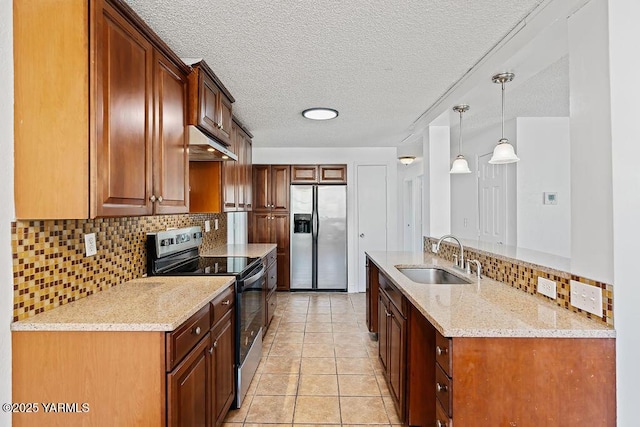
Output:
x=50 y=269
x=524 y=276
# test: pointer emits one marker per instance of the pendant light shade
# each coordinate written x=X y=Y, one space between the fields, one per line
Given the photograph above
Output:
x=460 y=164
x=503 y=153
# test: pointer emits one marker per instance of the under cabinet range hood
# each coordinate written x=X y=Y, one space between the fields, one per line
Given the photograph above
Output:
x=205 y=149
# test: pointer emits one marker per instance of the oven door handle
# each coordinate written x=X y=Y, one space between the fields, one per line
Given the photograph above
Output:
x=253 y=278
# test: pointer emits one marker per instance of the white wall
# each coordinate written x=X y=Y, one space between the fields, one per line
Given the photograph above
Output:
x=6 y=201
x=591 y=192
x=543 y=146
x=624 y=33
x=352 y=157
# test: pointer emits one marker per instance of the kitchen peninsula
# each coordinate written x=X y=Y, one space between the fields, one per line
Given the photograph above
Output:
x=467 y=349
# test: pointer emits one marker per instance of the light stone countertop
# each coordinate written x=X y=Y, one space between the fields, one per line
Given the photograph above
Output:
x=252 y=250
x=146 y=304
x=485 y=308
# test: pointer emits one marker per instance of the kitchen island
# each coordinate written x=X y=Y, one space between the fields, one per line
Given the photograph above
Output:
x=485 y=353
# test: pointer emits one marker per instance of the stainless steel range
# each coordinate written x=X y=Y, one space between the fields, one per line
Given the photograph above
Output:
x=176 y=253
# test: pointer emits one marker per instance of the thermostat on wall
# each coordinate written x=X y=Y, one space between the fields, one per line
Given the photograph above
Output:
x=550 y=198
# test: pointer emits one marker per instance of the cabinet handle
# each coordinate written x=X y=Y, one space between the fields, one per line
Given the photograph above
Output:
x=211 y=350
x=387 y=313
x=440 y=424
x=215 y=344
x=441 y=388
x=197 y=330
x=160 y=199
x=226 y=302
x=441 y=350
x=221 y=127
x=152 y=198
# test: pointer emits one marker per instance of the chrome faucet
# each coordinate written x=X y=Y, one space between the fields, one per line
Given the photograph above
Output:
x=459 y=261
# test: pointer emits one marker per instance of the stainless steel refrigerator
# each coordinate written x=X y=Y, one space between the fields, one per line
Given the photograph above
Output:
x=319 y=237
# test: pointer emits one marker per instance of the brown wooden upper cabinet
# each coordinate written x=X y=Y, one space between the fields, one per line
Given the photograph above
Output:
x=271 y=188
x=117 y=145
x=210 y=102
x=237 y=180
x=319 y=174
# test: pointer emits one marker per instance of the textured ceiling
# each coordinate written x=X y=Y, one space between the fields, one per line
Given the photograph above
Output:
x=381 y=63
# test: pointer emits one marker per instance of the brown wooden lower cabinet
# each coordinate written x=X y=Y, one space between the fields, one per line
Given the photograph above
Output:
x=273 y=228
x=493 y=381
x=372 y=296
x=145 y=378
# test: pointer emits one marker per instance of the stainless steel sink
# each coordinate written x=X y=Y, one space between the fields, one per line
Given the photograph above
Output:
x=433 y=276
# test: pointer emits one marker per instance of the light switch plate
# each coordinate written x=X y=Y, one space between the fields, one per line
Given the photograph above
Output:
x=547 y=288
x=90 y=247
x=586 y=297
x=207 y=226
x=215 y=223
x=550 y=198
x=433 y=248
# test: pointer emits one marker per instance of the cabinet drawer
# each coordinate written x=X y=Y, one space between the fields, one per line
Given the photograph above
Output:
x=183 y=339
x=442 y=419
x=270 y=308
x=272 y=278
x=394 y=294
x=444 y=349
x=222 y=304
x=272 y=257
x=443 y=390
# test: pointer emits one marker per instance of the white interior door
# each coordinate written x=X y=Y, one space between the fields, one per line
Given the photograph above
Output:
x=372 y=214
x=408 y=215
x=418 y=243
x=492 y=195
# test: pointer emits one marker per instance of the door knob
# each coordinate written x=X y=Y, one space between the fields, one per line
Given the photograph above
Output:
x=361 y=234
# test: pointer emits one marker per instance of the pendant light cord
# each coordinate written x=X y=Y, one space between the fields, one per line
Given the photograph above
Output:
x=460 y=137
x=502 y=109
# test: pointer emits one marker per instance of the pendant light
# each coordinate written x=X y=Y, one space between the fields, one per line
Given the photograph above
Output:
x=406 y=160
x=460 y=164
x=504 y=152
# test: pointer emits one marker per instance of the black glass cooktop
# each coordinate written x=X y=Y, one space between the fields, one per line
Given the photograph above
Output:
x=220 y=266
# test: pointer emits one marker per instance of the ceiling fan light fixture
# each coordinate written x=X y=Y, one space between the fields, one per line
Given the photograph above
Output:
x=504 y=152
x=320 y=113
x=406 y=160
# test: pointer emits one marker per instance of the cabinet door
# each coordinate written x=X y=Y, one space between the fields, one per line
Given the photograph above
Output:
x=208 y=113
x=383 y=329
x=171 y=155
x=304 y=174
x=123 y=118
x=280 y=188
x=224 y=119
x=397 y=359
x=261 y=228
x=280 y=236
x=223 y=368
x=229 y=177
x=248 y=189
x=333 y=174
x=188 y=389
x=261 y=188
x=241 y=169
x=372 y=296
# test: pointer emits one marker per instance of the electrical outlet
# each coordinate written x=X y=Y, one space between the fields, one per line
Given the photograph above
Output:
x=586 y=297
x=547 y=288
x=90 y=247
x=433 y=248
x=207 y=226
x=215 y=223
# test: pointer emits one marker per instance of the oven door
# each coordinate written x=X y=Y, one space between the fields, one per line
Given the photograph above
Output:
x=249 y=320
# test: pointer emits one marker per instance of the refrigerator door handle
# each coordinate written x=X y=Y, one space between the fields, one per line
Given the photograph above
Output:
x=315 y=221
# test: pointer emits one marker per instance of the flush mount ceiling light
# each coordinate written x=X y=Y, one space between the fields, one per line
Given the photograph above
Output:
x=504 y=152
x=320 y=113
x=406 y=160
x=460 y=164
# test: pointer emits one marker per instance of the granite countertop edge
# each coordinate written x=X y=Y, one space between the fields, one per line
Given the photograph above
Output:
x=583 y=328
x=111 y=310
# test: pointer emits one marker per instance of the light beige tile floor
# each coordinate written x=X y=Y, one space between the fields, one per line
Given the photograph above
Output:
x=319 y=368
